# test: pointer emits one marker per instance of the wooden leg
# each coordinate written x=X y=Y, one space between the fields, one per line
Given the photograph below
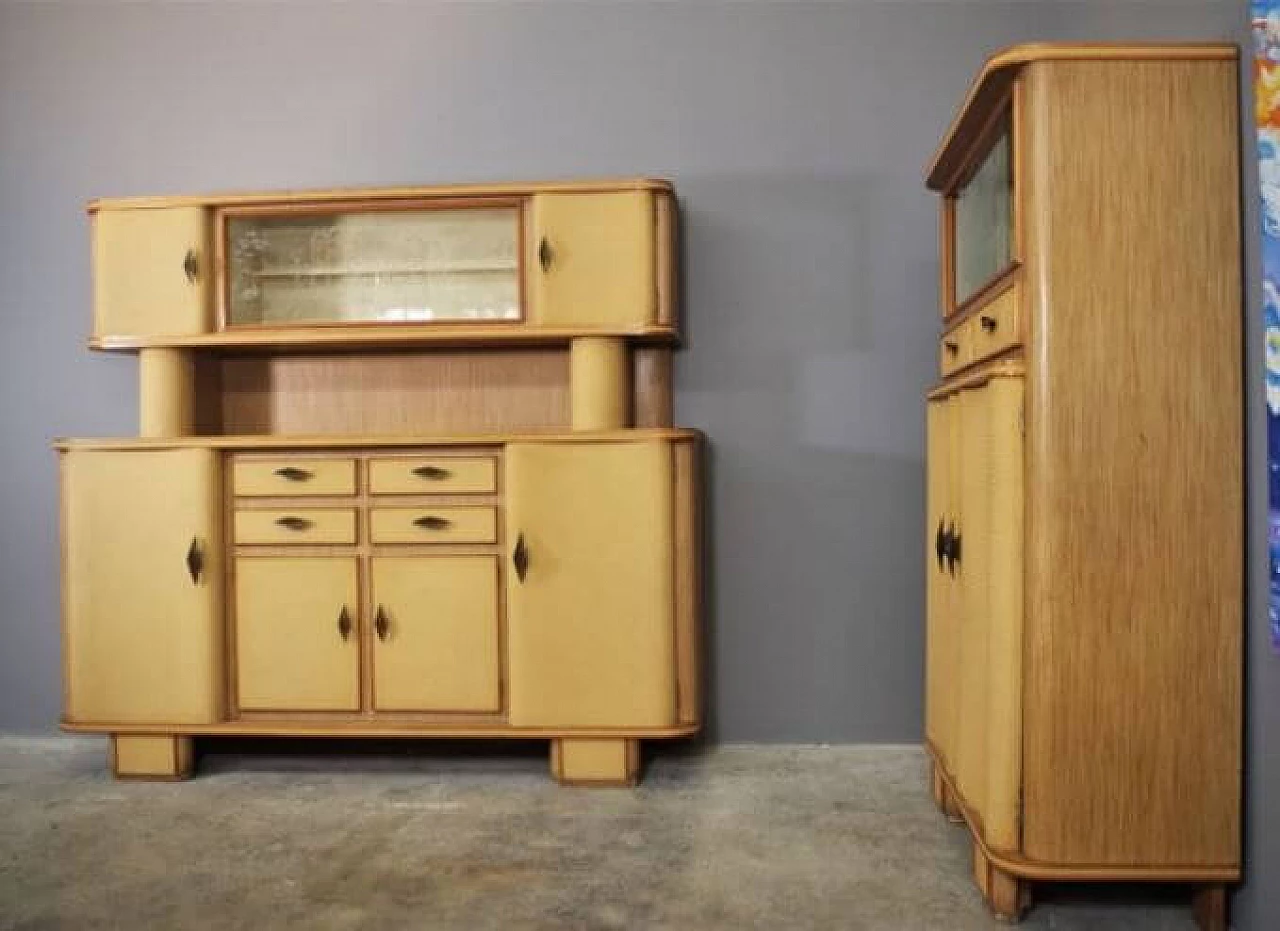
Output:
x=1209 y=905
x=595 y=761
x=152 y=756
x=1006 y=895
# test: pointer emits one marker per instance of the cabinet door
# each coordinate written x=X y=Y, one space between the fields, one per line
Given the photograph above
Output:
x=436 y=629
x=941 y=665
x=142 y=587
x=989 y=748
x=590 y=585
x=296 y=637
x=593 y=261
x=152 y=270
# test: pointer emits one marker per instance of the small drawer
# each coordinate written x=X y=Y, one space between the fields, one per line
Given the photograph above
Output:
x=433 y=525
x=432 y=476
x=296 y=525
x=956 y=349
x=292 y=476
x=995 y=327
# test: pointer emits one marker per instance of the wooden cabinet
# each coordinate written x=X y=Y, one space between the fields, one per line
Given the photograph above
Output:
x=473 y=519
x=508 y=262
x=1084 y=536
x=142 y=586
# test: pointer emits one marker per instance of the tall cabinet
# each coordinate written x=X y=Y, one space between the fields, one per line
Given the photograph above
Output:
x=406 y=468
x=1084 y=535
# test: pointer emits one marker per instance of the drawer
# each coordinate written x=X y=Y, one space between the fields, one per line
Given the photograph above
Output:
x=995 y=327
x=956 y=349
x=433 y=525
x=444 y=475
x=296 y=525
x=293 y=476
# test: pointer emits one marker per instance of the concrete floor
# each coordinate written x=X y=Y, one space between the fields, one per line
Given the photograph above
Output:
x=731 y=838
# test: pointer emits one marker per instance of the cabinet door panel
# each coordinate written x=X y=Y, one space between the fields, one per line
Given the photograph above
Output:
x=291 y=652
x=142 y=635
x=440 y=650
x=143 y=282
x=940 y=661
x=590 y=626
x=600 y=259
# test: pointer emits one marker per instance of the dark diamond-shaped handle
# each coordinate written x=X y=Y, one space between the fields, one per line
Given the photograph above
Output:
x=381 y=625
x=293 y=523
x=344 y=623
x=520 y=557
x=435 y=473
x=195 y=560
x=191 y=266
x=941 y=544
x=431 y=522
x=545 y=255
x=293 y=474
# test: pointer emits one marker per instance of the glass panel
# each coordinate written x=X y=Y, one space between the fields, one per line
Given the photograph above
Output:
x=984 y=221
x=375 y=266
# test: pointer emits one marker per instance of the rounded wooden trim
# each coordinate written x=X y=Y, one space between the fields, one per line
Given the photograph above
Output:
x=1023 y=868
x=1009 y=365
x=383 y=443
x=1002 y=68
x=241 y=198
x=371 y=729
x=371 y=335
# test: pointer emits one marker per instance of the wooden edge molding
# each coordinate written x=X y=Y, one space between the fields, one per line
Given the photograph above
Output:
x=994 y=287
x=1002 y=68
x=271 y=442
x=243 y=198
x=375 y=729
x=1035 y=870
x=343 y=337
x=1000 y=367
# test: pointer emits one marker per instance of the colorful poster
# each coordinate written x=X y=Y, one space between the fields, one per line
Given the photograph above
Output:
x=1266 y=84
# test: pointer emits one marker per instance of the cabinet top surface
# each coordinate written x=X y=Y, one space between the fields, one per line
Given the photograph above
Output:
x=630 y=435
x=998 y=73
x=243 y=198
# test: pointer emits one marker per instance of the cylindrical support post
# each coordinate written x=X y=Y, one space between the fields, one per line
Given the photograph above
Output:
x=600 y=379
x=166 y=392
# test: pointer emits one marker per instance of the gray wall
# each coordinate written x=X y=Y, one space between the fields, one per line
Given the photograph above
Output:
x=795 y=133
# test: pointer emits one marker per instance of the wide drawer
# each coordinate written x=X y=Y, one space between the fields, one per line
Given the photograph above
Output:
x=293 y=476
x=297 y=525
x=433 y=525
x=450 y=475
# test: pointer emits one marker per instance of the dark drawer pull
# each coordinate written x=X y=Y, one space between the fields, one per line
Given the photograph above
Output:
x=431 y=522
x=952 y=347
x=293 y=523
x=293 y=474
x=988 y=323
x=435 y=473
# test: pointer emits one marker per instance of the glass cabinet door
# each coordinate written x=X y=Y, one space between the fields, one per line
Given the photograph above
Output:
x=371 y=263
x=982 y=211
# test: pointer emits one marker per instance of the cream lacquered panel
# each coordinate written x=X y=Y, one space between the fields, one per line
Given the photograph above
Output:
x=290 y=475
x=433 y=525
x=432 y=475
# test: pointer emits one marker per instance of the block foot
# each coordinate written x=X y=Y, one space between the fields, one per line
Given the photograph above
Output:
x=605 y=761
x=1209 y=905
x=152 y=756
x=1006 y=895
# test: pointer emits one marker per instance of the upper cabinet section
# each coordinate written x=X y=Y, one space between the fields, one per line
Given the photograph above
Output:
x=510 y=263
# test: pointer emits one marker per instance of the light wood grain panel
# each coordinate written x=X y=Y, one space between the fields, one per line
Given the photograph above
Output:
x=438 y=391
x=152 y=757
x=142 y=635
x=440 y=648
x=938 y=662
x=166 y=392
x=587 y=762
x=591 y=627
x=688 y=582
x=433 y=525
x=292 y=476
x=601 y=383
x=289 y=610
x=1132 y=696
x=449 y=475
x=141 y=281
x=667 y=251
x=295 y=525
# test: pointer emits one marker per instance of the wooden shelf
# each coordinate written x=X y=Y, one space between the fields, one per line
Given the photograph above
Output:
x=339 y=337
